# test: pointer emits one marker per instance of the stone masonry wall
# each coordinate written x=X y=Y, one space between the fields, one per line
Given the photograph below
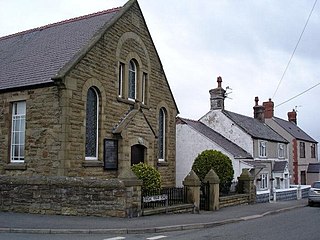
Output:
x=127 y=38
x=44 y=136
x=69 y=196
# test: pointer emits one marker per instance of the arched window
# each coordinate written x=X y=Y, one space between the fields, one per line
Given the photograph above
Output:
x=132 y=80
x=92 y=124
x=162 y=135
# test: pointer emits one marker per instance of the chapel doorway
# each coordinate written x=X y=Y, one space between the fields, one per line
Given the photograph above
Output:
x=137 y=154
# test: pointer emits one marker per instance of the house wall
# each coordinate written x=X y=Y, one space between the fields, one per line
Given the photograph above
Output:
x=272 y=150
x=188 y=150
x=216 y=120
x=271 y=123
x=296 y=163
x=44 y=134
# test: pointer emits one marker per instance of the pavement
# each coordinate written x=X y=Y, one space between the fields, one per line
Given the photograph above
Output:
x=58 y=224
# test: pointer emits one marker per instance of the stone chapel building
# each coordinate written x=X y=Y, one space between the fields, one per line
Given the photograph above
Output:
x=85 y=97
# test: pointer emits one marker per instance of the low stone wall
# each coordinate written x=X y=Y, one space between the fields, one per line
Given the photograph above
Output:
x=263 y=197
x=286 y=195
x=70 y=196
x=305 y=191
x=233 y=200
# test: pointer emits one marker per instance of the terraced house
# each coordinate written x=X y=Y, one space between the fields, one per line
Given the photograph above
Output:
x=85 y=97
x=303 y=149
x=248 y=141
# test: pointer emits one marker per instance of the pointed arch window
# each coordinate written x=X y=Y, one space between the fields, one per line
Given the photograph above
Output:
x=92 y=112
x=162 y=135
x=132 y=86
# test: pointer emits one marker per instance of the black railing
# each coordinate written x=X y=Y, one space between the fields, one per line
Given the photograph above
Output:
x=175 y=196
x=204 y=196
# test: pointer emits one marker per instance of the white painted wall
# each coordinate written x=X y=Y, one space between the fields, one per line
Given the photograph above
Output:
x=218 y=121
x=189 y=144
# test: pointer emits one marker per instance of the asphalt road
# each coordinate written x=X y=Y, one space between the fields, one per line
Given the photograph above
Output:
x=297 y=224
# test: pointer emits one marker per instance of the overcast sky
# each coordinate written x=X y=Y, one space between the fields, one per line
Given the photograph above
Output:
x=248 y=43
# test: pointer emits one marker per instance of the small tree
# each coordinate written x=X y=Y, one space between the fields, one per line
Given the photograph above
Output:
x=149 y=175
x=220 y=163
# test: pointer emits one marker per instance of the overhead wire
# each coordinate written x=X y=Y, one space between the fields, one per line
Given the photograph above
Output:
x=298 y=95
x=304 y=28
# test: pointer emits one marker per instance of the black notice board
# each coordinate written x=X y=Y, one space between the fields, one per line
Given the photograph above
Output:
x=110 y=154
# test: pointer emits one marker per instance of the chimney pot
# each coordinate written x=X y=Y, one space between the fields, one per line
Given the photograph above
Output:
x=256 y=99
x=219 y=80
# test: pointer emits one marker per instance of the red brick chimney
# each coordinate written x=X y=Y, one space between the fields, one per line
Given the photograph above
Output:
x=268 y=109
x=292 y=116
x=258 y=110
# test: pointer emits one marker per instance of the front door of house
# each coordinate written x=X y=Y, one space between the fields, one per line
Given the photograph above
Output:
x=303 y=178
x=137 y=154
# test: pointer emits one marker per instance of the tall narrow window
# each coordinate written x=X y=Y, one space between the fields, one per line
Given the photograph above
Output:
x=144 y=87
x=302 y=150
x=18 y=131
x=262 y=149
x=120 y=80
x=92 y=125
x=313 y=150
x=162 y=134
x=132 y=80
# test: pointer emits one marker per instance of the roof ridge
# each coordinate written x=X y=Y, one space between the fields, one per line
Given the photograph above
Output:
x=70 y=20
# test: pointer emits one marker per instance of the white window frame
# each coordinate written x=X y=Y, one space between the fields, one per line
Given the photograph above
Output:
x=17 y=146
x=281 y=150
x=262 y=149
x=135 y=72
x=162 y=112
x=264 y=183
x=97 y=128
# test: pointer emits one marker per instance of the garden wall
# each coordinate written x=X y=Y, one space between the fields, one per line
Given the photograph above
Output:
x=70 y=196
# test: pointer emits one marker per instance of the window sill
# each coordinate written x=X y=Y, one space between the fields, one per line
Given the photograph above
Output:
x=123 y=100
x=92 y=163
x=131 y=102
x=162 y=164
x=16 y=166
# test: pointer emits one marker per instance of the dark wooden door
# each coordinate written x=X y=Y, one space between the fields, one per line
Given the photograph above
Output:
x=137 y=154
x=303 y=178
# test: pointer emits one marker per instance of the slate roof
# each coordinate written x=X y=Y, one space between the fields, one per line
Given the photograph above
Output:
x=314 y=168
x=293 y=130
x=279 y=166
x=36 y=56
x=229 y=146
x=254 y=127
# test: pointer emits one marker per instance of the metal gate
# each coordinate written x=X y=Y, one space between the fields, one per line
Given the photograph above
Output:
x=204 y=196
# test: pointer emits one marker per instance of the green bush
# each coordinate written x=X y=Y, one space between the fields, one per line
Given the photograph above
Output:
x=219 y=162
x=149 y=175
